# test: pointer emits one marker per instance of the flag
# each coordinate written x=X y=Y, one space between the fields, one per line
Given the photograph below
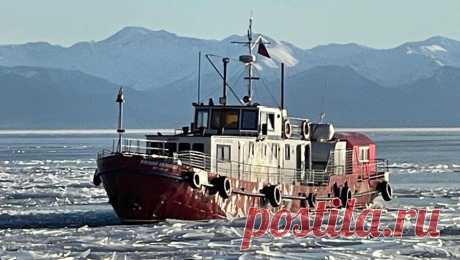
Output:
x=262 y=50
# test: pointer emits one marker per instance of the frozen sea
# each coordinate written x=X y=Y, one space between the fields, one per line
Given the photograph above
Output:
x=49 y=208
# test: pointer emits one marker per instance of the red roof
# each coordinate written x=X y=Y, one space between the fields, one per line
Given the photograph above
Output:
x=354 y=138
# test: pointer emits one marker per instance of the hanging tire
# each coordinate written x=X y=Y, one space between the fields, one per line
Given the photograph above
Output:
x=311 y=200
x=345 y=195
x=195 y=180
x=305 y=130
x=273 y=194
x=386 y=190
x=224 y=186
x=287 y=129
x=96 y=179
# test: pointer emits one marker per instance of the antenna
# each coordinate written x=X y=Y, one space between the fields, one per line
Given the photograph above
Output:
x=250 y=63
x=323 y=105
x=120 y=100
x=248 y=60
x=282 y=85
x=199 y=76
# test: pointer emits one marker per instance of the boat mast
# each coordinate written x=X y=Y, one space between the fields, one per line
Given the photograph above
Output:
x=199 y=77
x=120 y=130
x=248 y=60
x=249 y=78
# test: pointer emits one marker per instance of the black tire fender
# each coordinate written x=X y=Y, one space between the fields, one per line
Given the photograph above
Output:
x=224 y=186
x=305 y=130
x=385 y=190
x=311 y=200
x=273 y=194
x=345 y=195
x=96 y=178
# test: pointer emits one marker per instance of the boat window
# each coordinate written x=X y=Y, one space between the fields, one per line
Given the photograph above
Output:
x=198 y=147
x=249 y=120
x=202 y=118
x=275 y=151
x=156 y=148
x=251 y=147
x=364 y=154
x=184 y=147
x=223 y=152
x=287 y=152
x=271 y=122
x=171 y=148
x=229 y=119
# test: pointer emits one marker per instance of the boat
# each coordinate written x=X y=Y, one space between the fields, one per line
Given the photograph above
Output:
x=236 y=156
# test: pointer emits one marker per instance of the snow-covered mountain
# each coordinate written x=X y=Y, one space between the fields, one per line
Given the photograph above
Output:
x=35 y=97
x=134 y=56
x=148 y=59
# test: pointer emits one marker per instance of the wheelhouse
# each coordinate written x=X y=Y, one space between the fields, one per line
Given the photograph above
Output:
x=250 y=120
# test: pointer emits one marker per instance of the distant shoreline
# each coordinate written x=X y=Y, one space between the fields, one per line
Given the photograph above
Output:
x=170 y=130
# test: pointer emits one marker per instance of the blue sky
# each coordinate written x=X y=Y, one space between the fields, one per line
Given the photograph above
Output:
x=307 y=23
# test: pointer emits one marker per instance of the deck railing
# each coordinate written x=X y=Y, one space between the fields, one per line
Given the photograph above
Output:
x=253 y=172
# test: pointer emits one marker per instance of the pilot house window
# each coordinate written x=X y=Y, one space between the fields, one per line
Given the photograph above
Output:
x=249 y=120
x=225 y=119
x=202 y=118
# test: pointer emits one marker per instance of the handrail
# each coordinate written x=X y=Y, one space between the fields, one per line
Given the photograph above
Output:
x=248 y=171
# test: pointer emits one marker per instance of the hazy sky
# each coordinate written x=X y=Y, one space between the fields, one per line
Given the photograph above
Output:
x=307 y=23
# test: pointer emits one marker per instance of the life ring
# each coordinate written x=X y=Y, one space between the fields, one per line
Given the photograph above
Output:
x=195 y=180
x=273 y=194
x=96 y=179
x=345 y=195
x=287 y=129
x=224 y=186
x=311 y=200
x=386 y=190
x=305 y=126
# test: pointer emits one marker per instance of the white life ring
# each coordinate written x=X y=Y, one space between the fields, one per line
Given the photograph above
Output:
x=195 y=180
x=305 y=130
x=287 y=129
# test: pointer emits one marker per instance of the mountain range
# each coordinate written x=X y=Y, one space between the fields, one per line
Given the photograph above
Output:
x=50 y=86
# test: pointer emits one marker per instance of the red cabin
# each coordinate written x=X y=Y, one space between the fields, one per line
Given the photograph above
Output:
x=361 y=153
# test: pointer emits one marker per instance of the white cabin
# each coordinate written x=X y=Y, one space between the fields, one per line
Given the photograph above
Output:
x=252 y=141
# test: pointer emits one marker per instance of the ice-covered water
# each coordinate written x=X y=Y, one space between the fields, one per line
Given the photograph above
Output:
x=49 y=208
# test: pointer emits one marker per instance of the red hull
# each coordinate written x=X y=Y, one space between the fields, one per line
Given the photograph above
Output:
x=142 y=190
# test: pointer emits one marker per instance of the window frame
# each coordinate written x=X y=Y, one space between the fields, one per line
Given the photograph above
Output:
x=287 y=152
x=180 y=147
x=223 y=112
x=196 y=118
x=200 y=145
x=223 y=146
x=271 y=123
x=364 y=154
x=246 y=111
